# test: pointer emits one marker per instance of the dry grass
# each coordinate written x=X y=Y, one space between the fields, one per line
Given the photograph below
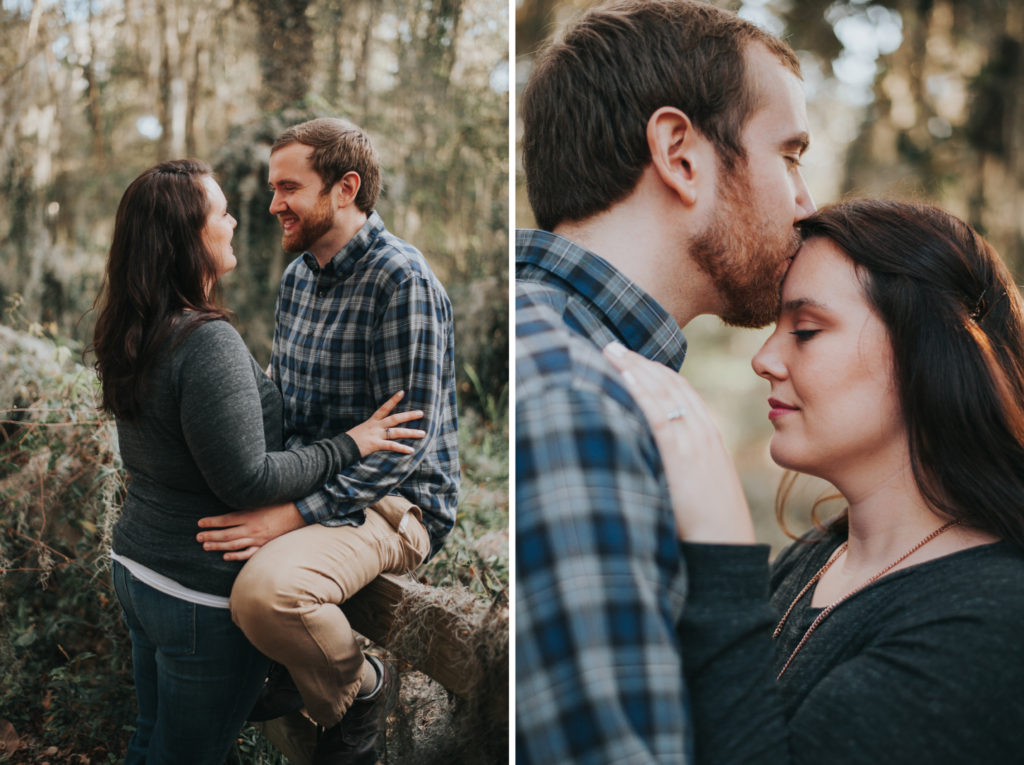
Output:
x=470 y=730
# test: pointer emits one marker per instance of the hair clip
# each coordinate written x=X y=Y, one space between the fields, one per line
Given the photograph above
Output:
x=980 y=307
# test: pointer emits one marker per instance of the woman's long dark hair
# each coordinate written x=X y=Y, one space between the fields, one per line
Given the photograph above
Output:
x=955 y=321
x=158 y=266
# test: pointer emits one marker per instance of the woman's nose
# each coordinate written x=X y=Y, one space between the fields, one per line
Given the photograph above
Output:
x=766 y=362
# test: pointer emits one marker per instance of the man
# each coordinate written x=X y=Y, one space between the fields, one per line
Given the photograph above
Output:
x=360 y=315
x=661 y=146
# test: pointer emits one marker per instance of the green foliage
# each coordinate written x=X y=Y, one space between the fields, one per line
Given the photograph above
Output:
x=476 y=552
x=64 y=650
x=482 y=346
x=493 y=407
x=252 y=748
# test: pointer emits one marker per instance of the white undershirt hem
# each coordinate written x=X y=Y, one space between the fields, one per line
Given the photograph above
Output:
x=168 y=586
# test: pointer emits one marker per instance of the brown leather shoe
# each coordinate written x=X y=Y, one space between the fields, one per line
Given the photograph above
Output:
x=360 y=736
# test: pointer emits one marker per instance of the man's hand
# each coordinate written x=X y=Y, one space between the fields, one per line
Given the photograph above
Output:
x=244 y=532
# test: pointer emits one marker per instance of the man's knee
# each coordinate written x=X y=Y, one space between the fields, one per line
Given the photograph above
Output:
x=261 y=590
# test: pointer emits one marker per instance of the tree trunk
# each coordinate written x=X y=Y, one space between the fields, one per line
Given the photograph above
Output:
x=286 y=52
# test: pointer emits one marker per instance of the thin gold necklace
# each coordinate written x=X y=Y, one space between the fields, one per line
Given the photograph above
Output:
x=832 y=606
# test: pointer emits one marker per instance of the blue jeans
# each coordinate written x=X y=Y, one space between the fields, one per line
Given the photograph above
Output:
x=196 y=676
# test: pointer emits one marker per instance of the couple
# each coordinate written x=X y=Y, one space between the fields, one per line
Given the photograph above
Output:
x=661 y=145
x=305 y=475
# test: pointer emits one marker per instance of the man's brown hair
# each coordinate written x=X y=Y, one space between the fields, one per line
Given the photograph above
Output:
x=339 y=147
x=586 y=105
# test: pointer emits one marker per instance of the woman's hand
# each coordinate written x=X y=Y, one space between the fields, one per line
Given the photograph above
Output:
x=707 y=496
x=380 y=431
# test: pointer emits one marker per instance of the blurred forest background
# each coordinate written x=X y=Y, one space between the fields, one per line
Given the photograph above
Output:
x=915 y=99
x=92 y=92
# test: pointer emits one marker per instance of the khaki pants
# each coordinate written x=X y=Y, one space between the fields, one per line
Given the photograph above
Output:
x=286 y=597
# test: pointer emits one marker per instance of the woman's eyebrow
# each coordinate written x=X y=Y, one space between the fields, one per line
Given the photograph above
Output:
x=802 y=302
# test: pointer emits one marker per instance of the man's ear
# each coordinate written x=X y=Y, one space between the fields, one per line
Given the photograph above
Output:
x=347 y=188
x=681 y=156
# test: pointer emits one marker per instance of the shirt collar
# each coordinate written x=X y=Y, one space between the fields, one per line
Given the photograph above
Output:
x=345 y=259
x=640 y=322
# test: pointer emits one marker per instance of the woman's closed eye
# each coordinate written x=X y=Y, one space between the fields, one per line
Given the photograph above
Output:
x=803 y=335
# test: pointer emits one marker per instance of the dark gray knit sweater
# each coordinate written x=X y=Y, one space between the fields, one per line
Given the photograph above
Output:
x=925 y=666
x=208 y=441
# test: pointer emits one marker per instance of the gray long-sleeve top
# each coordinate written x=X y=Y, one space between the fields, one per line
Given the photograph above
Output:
x=207 y=441
x=926 y=665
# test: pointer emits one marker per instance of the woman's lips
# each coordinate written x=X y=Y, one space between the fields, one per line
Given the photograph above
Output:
x=779 y=408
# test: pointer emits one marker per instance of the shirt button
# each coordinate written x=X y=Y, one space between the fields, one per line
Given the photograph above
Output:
x=321 y=293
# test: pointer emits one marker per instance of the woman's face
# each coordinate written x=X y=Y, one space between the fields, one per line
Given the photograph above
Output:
x=219 y=228
x=829 y=361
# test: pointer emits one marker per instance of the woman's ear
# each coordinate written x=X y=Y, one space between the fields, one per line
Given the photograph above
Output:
x=681 y=156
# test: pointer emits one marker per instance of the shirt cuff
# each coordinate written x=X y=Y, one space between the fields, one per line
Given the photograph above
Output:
x=315 y=508
x=348 y=448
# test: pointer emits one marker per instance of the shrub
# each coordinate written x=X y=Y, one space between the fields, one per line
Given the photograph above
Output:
x=65 y=654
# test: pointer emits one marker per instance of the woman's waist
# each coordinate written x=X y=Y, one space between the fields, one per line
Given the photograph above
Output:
x=166 y=517
x=179 y=501
x=164 y=540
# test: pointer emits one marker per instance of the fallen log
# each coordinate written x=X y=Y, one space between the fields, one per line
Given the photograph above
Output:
x=446 y=633
x=443 y=626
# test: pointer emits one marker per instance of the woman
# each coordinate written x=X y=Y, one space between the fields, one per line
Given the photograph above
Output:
x=200 y=433
x=897 y=374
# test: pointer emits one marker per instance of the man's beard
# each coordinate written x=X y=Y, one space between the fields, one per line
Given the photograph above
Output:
x=745 y=260
x=310 y=228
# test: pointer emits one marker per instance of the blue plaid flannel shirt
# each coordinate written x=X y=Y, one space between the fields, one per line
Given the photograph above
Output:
x=600 y=584
x=373 y=321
